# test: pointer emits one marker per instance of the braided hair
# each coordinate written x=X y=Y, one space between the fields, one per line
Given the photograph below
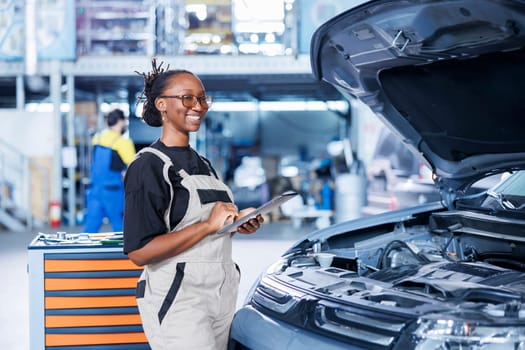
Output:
x=155 y=82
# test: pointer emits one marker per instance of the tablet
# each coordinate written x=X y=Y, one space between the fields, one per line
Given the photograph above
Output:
x=263 y=209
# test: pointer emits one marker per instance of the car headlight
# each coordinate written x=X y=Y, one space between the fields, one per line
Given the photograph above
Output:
x=445 y=333
x=277 y=267
x=274 y=296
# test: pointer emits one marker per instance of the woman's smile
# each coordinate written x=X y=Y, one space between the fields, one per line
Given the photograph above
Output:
x=194 y=119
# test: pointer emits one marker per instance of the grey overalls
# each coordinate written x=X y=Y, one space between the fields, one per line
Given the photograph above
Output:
x=188 y=301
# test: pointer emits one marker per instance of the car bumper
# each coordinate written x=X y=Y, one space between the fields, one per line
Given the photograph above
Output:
x=256 y=331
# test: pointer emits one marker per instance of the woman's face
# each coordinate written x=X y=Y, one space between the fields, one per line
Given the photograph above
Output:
x=176 y=116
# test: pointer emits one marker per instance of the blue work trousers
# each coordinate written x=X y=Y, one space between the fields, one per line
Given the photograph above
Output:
x=104 y=201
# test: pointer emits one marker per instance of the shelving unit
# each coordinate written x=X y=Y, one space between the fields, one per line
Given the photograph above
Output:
x=213 y=65
x=115 y=27
x=209 y=27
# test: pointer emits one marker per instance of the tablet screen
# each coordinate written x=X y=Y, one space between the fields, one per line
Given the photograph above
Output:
x=263 y=209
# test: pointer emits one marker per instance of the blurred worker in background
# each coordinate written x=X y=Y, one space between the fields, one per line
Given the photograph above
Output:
x=112 y=153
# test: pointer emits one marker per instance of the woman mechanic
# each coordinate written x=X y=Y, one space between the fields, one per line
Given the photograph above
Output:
x=174 y=204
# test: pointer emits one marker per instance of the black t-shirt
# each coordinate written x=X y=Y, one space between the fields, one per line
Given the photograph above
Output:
x=148 y=195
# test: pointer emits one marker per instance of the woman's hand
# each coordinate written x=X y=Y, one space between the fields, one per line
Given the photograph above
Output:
x=251 y=225
x=221 y=213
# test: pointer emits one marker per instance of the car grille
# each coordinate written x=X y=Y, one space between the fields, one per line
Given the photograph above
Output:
x=369 y=331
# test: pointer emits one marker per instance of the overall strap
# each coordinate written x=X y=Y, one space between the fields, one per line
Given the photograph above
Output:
x=167 y=165
x=210 y=169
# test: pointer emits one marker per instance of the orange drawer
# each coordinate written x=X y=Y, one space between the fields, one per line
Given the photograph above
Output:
x=80 y=302
x=94 y=339
x=89 y=265
x=52 y=284
x=57 y=321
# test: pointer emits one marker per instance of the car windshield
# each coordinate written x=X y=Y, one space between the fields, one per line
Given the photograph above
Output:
x=509 y=194
x=503 y=194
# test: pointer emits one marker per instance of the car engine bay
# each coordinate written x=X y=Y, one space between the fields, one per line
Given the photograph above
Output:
x=427 y=276
x=416 y=268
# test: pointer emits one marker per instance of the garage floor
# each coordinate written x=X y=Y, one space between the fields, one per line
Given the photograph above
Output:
x=252 y=253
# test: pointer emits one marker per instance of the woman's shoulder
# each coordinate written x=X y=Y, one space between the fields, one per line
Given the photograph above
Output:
x=146 y=162
x=144 y=172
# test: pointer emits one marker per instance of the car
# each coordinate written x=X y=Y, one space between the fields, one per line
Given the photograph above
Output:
x=448 y=77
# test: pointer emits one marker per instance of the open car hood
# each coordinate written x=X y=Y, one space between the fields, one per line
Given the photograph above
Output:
x=447 y=76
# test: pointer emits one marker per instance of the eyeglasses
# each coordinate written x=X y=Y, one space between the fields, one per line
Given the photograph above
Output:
x=190 y=101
